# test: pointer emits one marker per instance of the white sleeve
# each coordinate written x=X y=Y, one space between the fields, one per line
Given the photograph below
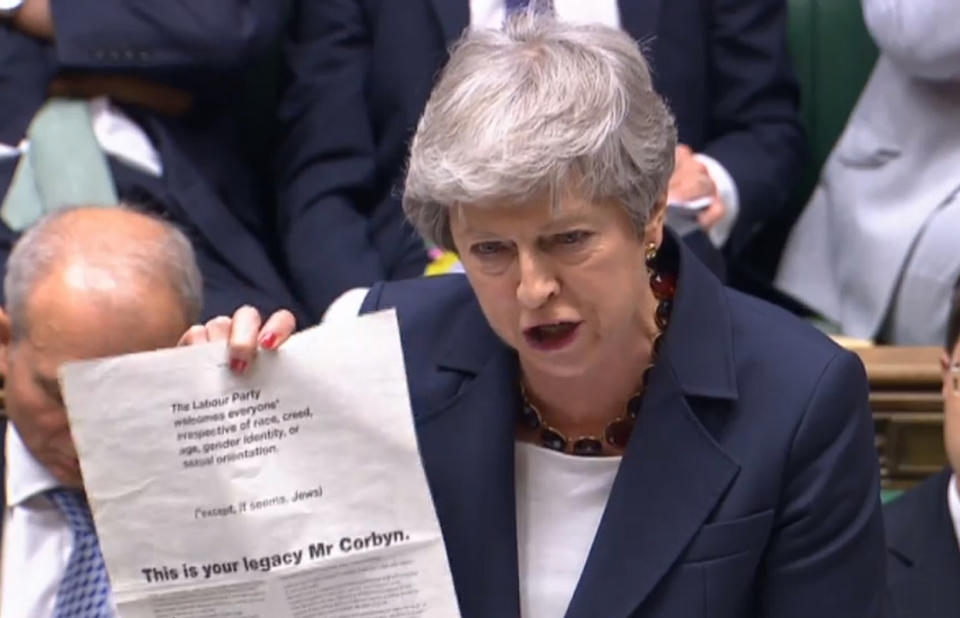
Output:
x=9 y=152
x=346 y=306
x=728 y=194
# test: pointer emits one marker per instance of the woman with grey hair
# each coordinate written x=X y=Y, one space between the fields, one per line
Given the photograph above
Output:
x=607 y=430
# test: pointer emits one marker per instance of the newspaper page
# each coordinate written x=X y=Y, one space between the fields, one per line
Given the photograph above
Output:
x=294 y=490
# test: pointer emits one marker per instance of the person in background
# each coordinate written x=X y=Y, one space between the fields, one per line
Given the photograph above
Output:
x=361 y=72
x=80 y=284
x=923 y=525
x=606 y=429
x=161 y=112
x=875 y=251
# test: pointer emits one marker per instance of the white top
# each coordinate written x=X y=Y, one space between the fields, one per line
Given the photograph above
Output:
x=560 y=500
x=37 y=539
x=953 y=502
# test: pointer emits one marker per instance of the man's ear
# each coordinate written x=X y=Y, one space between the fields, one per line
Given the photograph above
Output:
x=6 y=340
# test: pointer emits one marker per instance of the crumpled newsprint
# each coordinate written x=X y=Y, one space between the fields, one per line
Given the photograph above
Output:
x=294 y=490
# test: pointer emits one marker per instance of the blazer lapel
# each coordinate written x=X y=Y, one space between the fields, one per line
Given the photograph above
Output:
x=467 y=448
x=671 y=477
x=931 y=549
x=673 y=473
x=454 y=17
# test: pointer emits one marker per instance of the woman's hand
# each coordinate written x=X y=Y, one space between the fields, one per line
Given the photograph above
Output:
x=244 y=333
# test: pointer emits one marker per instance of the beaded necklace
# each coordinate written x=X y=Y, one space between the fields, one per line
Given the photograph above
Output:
x=617 y=432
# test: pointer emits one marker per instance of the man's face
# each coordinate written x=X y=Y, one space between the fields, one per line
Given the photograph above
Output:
x=67 y=322
x=951 y=406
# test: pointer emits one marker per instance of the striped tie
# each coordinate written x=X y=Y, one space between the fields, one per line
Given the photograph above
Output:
x=85 y=589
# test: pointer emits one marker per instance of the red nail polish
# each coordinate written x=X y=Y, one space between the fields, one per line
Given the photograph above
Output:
x=238 y=365
x=268 y=341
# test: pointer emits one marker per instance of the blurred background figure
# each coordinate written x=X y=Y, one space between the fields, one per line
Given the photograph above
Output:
x=361 y=71
x=923 y=526
x=141 y=103
x=80 y=284
x=875 y=251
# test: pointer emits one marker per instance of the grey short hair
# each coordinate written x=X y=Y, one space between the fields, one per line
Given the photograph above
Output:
x=541 y=106
x=47 y=243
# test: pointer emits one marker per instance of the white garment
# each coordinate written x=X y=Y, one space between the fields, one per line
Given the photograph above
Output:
x=346 y=306
x=896 y=163
x=37 y=539
x=953 y=502
x=920 y=306
x=560 y=501
x=117 y=134
x=121 y=137
x=490 y=14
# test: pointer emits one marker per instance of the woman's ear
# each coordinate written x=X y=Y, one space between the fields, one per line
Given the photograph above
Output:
x=653 y=231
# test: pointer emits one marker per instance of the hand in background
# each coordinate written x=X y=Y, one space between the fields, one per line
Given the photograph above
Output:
x=35 y=18
x=691 y=180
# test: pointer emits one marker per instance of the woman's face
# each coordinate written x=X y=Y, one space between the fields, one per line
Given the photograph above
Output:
x=566 y=287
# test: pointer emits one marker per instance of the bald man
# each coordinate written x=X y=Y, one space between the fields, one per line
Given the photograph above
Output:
x=82 y=283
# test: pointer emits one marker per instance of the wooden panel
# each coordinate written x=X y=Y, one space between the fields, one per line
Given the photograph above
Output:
x=907 y=403
x=898 y=367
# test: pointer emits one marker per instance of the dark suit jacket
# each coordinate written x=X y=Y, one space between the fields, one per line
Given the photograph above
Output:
x=750 y=486
x=923 y=556
x=362 y=71
x=208 y=187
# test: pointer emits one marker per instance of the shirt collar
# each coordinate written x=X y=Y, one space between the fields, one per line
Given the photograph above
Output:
x=953 y=501
x=26 y=477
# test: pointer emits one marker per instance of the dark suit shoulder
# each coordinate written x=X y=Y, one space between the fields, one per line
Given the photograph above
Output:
x=442 y=328
x=425 y=305
x=912 y=516
x=778 y=329
x=923 y=561
x=784 y=352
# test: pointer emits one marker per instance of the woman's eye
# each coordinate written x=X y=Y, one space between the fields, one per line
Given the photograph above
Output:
x=571 y=238
x=487 y=249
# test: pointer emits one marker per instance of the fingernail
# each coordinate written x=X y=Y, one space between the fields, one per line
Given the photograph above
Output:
x=238 y=365
x=268 y=341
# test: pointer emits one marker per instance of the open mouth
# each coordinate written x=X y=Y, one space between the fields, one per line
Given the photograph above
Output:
x=551 y=336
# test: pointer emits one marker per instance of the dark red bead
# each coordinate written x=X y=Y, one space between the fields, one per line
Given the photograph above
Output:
x=633 y=406
x=664 y=285
x=663 y=313
x=553 y=440
x=618 y=432
x=657 y=342
x=529 y=417
x=587 y=447
x=646 y=376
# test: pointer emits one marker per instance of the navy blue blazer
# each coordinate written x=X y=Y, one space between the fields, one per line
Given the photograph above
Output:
x=361 y=72
x=209 y=186
x=750 y=486
x=923 y=556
